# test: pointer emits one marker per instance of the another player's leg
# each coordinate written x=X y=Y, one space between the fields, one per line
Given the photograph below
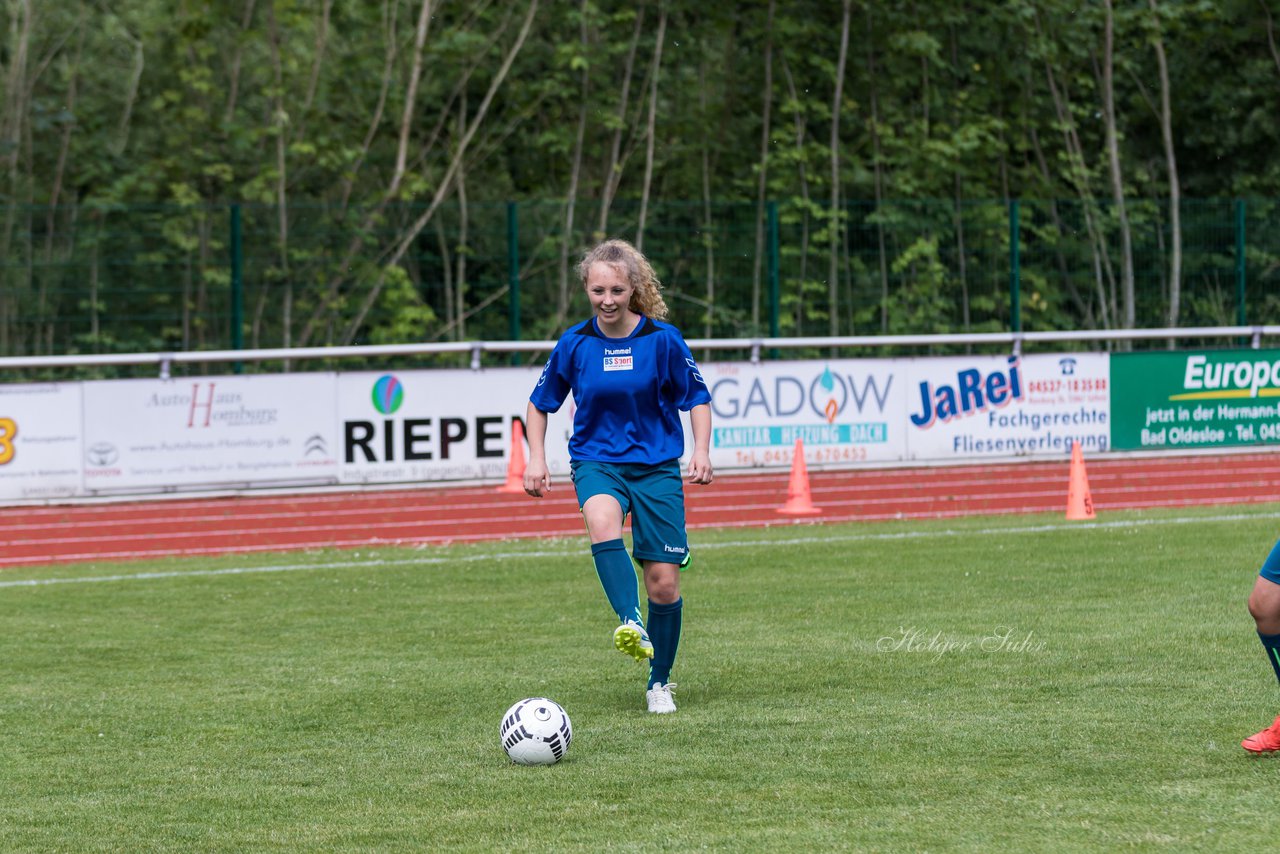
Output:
x=1264 y=606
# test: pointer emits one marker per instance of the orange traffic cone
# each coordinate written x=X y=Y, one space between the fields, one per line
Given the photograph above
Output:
x=1079 y=501
x=799 y=502
x=515 y=465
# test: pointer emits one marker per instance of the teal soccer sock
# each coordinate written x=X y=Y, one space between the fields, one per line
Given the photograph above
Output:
x=664 y=631
x=618 y=578
x=1271 y=643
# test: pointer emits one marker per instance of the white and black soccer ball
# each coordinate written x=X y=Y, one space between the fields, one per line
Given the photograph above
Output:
x=536 y=731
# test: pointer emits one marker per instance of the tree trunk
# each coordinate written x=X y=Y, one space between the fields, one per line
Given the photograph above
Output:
x=446 y=267
x=334 y=287
x=281 y=122
x=1113 y=158
x=803 y=271
x=233 y=84
x=837 y=101
x=878 y=176
x=1175 y=191
x=204 y=225
x=567 y=238
x=393 y=185
x=708 y=235
x=188 y=289
x=94 y=328
x=1064 y=273
x=1079 y=177
x=651 y=126
x=121 y=141
x=411 y=233
x=64 y=149
x=45 y=312
x=322 y=36
x=1271 y=34
x=16 y=107
x=958 y=220
x=763 y=177
x=389 y=16
x=463 y=250
x=410 y=98
x=613 y=172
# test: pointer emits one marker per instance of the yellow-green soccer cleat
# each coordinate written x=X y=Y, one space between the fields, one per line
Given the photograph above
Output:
x=631 y=639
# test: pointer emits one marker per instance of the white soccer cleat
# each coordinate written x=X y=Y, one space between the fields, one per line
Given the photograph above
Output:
x=660 y=700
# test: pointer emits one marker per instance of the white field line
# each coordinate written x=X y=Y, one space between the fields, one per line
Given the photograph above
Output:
x=576 y=549
x=444 y=540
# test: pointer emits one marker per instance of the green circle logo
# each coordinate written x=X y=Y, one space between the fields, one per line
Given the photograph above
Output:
x=388 y=394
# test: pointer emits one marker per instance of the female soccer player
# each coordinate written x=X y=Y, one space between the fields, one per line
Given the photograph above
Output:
x=1264 y=605
x=631 y=375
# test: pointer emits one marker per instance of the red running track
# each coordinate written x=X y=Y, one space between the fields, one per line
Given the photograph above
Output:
x=263 y=523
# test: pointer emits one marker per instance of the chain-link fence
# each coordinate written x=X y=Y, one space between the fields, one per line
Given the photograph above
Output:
x=90 y=279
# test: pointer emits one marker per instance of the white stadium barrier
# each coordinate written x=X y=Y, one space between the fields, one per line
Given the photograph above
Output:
x=67 y=440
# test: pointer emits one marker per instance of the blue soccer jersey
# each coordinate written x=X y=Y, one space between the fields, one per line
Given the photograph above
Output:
x=629 y=391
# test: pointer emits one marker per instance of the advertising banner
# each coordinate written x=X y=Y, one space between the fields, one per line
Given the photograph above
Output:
x=1204 y=399
x=845 y=411
x=1007 y=406
x=416 y=426
x=209 y=431
x=40 y=444
x=432 y=425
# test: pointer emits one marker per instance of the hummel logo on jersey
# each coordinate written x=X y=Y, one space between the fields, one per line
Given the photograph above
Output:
x=619 y=359
x=673 y=549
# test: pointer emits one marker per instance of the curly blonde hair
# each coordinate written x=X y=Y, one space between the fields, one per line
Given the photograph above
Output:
x=646 y=299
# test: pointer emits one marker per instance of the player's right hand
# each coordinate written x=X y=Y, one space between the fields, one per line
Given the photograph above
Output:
x=537 y=481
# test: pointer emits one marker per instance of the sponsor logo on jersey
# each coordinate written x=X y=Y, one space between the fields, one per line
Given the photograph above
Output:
x=619 y=359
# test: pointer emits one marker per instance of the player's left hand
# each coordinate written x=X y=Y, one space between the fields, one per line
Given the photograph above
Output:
x=700 y=468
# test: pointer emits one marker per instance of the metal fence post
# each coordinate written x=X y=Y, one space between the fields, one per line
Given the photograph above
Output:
x=1240 y=267
x=237 y=286
x=513 y=276
x=1015 y=272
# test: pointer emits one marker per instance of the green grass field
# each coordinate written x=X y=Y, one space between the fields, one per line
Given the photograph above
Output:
x=983 y=684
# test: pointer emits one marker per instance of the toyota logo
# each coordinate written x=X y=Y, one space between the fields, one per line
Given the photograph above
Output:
x=102 y=454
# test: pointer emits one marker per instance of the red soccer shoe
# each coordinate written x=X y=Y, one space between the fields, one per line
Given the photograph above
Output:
x=1266 y=741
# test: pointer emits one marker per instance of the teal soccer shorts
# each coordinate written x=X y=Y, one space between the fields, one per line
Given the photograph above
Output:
x=652 y=494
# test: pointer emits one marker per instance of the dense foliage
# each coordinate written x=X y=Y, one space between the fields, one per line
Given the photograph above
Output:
x=374 y=144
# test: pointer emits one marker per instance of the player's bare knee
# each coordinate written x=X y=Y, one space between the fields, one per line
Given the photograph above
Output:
x=603 y=531
x=1265 y=614
x=603 y=517
x=1265 y=610
x=664 y=594
x=1264 y=605
x=662 y=587
x=1255 y=609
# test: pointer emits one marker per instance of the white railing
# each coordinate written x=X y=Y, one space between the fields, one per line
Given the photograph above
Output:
x=1014 y=340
